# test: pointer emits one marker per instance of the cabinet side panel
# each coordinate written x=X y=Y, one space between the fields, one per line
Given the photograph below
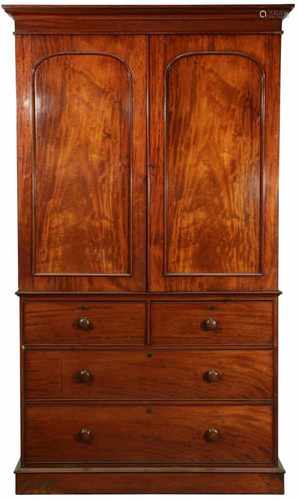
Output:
x=24 y=161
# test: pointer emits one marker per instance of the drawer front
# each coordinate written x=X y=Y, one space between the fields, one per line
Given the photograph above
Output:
x=84 y=323
x=212 y=323
x=142 y=434
x=148 y=375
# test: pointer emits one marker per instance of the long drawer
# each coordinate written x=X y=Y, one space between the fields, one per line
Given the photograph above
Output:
x=212 y=323
x=142 y=434
x=144 y=375
x=74 y=322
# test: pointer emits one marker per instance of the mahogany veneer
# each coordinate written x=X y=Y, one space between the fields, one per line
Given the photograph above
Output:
x=148 y=271
x=149 y=375
x=111 y=323
x=249 y=323
x=162 y=434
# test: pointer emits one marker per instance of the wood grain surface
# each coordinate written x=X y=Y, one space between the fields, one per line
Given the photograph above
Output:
x=81 y=162
x=148 y=151
x=57 y=323
x=83 y=142
x=92 y=19
x=142 y=434
x=148 y=375
x=98 y=480
x=214 y=162
x=213 y=154
x=238 y=323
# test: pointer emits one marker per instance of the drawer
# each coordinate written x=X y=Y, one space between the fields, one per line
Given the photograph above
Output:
x=103 y=323
x=142 y=434
x=212 y=323
x=152 y=375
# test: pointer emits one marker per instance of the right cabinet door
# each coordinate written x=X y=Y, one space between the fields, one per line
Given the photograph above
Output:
x=213 y=162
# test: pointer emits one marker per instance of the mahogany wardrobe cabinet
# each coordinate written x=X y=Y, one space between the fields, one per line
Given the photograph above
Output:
x=148 y=193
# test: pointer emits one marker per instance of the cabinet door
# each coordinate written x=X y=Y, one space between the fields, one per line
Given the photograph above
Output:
x=82 y=129
x=214 y=160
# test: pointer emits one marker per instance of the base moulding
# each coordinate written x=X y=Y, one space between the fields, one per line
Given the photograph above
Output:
x=187 y=479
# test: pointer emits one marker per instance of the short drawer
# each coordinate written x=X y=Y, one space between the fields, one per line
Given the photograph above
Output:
x=103 y=323
x=148 y=434
x=143 y=375
x=212 y=323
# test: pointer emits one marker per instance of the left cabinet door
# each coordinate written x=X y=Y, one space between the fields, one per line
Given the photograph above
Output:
x=81 y=162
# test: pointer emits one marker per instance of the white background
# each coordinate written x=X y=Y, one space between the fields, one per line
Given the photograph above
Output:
x=289 y=253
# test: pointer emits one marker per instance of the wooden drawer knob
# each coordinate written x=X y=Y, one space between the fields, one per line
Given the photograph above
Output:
x=84 y=324
x=212 y=376
x=85 y=435
x=209 y=324
x=84 y=376
x=212 y=434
